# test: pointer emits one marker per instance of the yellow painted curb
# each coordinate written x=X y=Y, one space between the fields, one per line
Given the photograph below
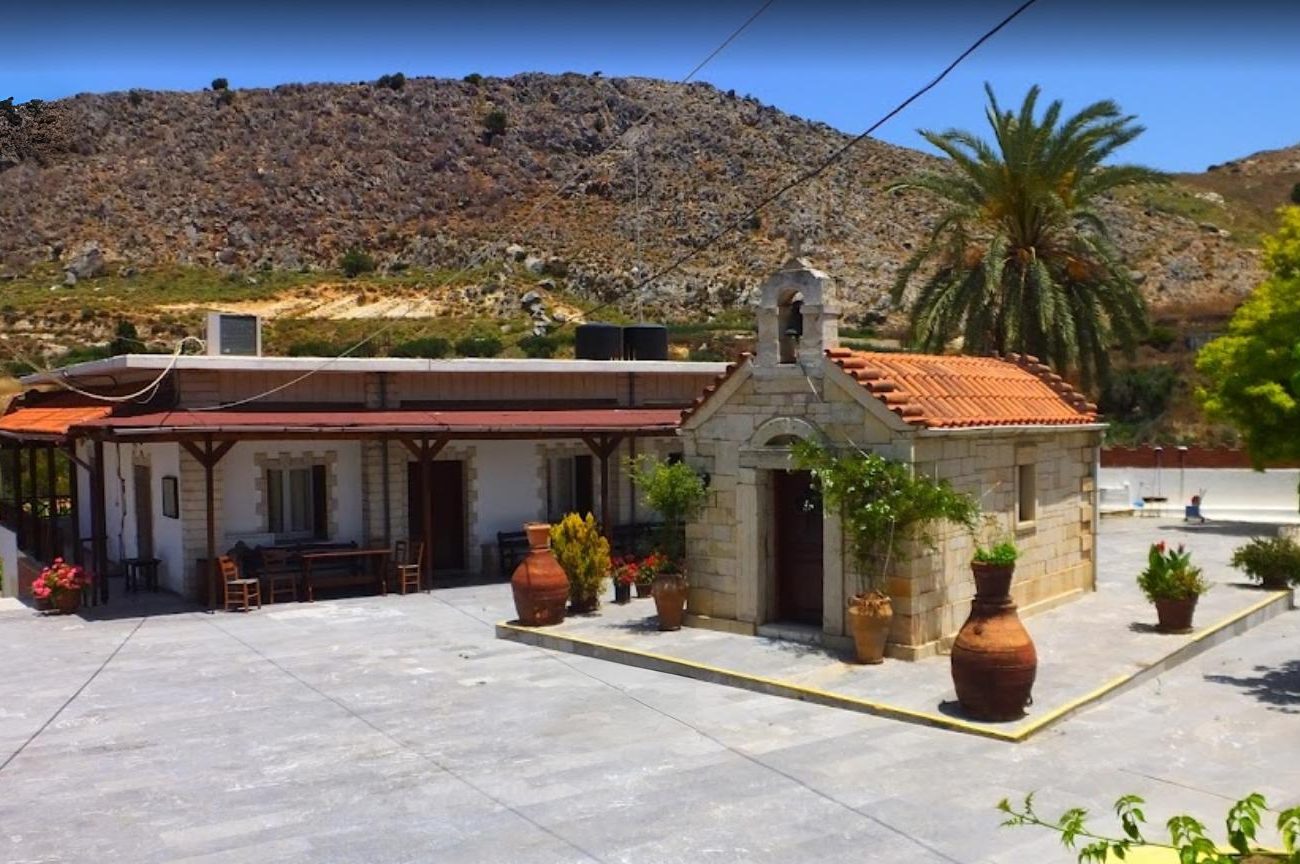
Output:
x=776 y=686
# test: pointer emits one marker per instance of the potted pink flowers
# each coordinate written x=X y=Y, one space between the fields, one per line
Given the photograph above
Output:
x=60 y=585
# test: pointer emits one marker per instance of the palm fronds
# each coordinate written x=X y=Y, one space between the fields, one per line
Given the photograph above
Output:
x=1019 y=259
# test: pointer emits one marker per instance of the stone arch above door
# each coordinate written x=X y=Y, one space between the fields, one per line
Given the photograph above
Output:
x=771 y=432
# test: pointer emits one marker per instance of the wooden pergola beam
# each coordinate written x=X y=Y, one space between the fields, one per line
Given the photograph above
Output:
x=208 y=456
x=603 y=446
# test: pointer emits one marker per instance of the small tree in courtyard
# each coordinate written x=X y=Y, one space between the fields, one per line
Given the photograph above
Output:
x=1253 y=372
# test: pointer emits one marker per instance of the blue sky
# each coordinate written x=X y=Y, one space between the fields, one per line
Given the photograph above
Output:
x=1210 y=81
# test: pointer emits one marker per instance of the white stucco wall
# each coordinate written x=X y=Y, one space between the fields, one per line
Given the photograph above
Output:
x=1230 y=493
x=242 y=509
x=508 y=490
x=164 y=461
x=8 y=562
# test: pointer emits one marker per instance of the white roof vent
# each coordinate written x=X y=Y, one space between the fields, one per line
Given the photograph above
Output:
x=234 y=335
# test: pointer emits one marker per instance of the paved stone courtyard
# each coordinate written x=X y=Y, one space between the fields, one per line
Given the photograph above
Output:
x=387 y=729
x=1089 y=648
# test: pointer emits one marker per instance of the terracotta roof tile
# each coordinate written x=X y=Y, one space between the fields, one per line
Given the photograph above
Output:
x=51 y=422
x=942 y=391
x=713 y=388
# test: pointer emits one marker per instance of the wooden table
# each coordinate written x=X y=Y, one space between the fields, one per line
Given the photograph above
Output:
x=141 y=571
x=377 y=559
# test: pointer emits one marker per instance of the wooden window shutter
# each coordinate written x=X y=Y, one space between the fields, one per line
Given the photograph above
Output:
x=319 y=503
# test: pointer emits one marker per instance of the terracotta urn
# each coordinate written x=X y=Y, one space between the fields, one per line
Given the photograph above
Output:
x=994 y=662
x=669 y=591
x=869 y=619
x=1175 y=616
x=540 y=587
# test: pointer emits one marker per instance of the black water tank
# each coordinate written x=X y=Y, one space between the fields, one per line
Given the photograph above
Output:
x=598 y=342
x=645 y=342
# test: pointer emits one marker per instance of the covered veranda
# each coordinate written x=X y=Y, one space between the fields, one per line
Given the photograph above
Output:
x=208 y=436
x=39 y=469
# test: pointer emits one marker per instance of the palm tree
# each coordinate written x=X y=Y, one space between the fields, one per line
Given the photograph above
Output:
x=1020 y=260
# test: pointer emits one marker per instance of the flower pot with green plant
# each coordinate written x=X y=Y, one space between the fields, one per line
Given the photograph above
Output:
x=60 y=584
x=676 y=491
x=1173 y=584
x=1273 y=562
x=583 y=554
x=882 y=503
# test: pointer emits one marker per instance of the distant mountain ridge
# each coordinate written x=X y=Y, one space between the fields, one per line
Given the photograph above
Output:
x=422 y=176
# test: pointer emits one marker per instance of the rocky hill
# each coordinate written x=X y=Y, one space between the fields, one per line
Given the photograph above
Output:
x=517 y=175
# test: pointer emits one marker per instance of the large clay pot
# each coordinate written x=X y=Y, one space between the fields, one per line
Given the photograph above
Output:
x=869 y=620
x=541 y=589
x=66 y=602
x=994 y=661
x=669 y=591
x=1175 y=616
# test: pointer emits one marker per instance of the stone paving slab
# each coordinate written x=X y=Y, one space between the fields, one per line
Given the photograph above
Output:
x=1091 y=648
x=398 y=729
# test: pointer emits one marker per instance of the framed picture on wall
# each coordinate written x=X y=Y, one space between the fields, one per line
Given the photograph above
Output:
x=171 y=504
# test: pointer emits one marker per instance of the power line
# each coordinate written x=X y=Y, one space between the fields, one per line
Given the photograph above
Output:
x=477 y=259
x=812 y=173
x=60 y=377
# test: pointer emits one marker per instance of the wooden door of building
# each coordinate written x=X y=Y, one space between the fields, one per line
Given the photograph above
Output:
x=143 y=512
x=797 y=514
x=447 y=497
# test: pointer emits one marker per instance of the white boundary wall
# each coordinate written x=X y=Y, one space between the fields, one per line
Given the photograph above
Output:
x=1229 y=493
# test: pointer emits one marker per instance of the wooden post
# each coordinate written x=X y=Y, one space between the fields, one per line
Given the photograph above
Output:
x=18 y=497
x=208 y=457
x=52 y=527
x=210 y=503
x=74 y=495
x=424 y=452
x=426 y=499
x=603 y=447
x=99 y=522
x=35 y=492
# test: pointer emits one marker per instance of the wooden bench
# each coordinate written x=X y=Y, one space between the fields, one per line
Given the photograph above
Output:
x=279 y=565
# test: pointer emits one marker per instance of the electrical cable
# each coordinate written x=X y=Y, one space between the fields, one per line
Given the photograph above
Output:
x=478 y=257
x=59 y=376
x=812 y=173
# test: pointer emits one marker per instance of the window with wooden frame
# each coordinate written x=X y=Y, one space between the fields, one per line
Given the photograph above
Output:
x=1026 y=493
x=297 y=503
x=569 y=486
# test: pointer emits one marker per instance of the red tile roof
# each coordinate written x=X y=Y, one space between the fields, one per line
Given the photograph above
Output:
x=486 y=422
x=944 y=391
x=742 y=360
x=50 y=422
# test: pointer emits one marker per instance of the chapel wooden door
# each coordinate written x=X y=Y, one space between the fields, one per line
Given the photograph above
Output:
x=797 y=514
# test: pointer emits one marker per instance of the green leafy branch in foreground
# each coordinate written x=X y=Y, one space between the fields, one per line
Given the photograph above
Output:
x=1187 y=836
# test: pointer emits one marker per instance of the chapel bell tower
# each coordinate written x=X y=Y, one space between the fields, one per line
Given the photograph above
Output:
x=798 y=318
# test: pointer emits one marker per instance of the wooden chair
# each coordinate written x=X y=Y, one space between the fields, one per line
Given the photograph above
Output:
x=408 y=571
x=239 y=590
x=279 y=576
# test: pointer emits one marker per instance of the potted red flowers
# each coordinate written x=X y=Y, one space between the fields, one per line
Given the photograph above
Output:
x=648 y=568
x=60 y=585
x=626 y=569
x=1173 y=585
